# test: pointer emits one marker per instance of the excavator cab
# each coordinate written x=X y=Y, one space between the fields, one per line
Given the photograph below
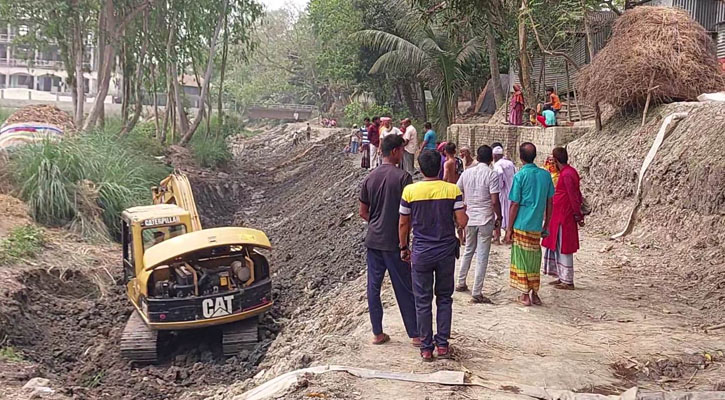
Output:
x=180 y=276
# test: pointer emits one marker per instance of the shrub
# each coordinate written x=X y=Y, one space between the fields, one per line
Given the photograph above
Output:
x=22 y=242
x=210 y=152
x=93 y=176
x=8 y=353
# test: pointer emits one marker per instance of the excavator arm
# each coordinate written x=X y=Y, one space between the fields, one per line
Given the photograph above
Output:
x=176 y=189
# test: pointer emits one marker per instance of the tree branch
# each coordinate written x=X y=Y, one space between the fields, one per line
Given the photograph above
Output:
x=541 y=45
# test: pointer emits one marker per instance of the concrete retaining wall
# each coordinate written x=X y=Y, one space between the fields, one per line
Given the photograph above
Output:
x=475 y=135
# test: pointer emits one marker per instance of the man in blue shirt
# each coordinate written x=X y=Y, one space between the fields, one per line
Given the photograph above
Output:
x=531 y=205
x=429 y=140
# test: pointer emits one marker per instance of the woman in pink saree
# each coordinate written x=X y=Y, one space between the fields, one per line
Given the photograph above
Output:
x=516 y=107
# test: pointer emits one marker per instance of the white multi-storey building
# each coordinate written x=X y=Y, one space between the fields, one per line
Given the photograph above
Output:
x=38 y=70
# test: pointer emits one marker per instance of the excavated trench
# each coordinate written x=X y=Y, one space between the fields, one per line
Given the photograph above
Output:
x=69 y=323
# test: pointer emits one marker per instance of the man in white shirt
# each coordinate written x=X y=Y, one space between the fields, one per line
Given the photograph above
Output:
x=388 y=128
x=505 y=169
x=411 y=146
x=480 y=187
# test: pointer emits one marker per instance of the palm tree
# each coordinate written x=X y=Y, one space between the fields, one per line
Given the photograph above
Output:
x=429 y=52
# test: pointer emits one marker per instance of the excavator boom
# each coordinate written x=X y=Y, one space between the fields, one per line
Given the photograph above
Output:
x=176 y=189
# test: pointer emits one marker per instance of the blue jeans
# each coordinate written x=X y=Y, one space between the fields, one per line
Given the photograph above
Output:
x=428 y=279
x=353 y=147
x=378 y=262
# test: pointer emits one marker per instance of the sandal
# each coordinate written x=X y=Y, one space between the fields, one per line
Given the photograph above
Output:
x=480 y=299
x=556 y=282
x=426 y=355
x=535 y=299
x=381 y=339
x=416 y=342
x=444 y=352
x=524 y=300
x=462 y=288
x=564 y=286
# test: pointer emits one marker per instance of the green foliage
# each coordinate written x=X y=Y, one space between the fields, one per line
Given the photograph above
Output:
x=4 y=114
x=355 y=112
x=22 y=242
x=427 y=50
x=66 y=182
x=210 y=152
x=93 y=380
x=9 y=353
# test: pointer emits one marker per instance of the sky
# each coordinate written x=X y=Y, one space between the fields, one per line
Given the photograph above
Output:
x=277 y=4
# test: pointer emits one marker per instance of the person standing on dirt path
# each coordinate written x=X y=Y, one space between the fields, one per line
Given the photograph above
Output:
x=309 y=131
x=480 y=189
x=354 y=139
x=531 y=206
x=374 y=137
x=565 y=221
x=379 y=201
x=505 y=169
x=411 y=146
x=429 y=140
x=365 y=159
x=432 y=208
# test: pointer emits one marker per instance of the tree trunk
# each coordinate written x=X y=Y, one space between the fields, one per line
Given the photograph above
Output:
x=493 y=62
x=207 y=78
x=590 y=46
x=80 y=82
x=105 y=68
x=99 y=54
x=129 y=125
x=407 y=95
x=423 y=100
x=225 y=51
x=524 y=60
x=155 y=100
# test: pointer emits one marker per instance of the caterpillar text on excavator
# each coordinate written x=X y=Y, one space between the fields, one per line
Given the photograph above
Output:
x=180 y=276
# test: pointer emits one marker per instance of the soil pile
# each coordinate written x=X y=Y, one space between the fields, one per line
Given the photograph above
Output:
x=43 y=113
x=683 y=203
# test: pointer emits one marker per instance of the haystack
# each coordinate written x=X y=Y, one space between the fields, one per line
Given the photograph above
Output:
x=652 y=47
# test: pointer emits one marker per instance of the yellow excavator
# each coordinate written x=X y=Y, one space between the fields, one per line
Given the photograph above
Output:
x=180 y=276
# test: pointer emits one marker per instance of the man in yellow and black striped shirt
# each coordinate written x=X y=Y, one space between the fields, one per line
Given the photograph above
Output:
x=432 y=208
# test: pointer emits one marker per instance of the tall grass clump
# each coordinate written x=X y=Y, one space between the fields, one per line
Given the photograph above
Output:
x=210 y=151
x=84 y=181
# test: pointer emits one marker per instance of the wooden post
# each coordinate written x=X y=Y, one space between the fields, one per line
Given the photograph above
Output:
x=649 y=96
x=576 y=101
x=507 y=104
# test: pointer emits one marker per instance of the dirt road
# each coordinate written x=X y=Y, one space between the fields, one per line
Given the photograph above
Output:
x=608 y=335
x=626 y=324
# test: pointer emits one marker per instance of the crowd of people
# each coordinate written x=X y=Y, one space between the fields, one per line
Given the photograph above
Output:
x=544 y=115
x=459 y=201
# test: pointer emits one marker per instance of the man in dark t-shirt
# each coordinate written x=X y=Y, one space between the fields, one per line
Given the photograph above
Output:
x=379 y=202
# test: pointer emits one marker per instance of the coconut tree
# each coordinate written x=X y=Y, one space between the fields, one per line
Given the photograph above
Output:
x=429 y=52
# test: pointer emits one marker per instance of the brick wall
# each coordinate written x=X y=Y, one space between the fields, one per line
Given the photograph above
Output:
x=475 y=135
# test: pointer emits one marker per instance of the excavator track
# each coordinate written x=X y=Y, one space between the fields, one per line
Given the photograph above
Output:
x=138 y=341
x=239 y=336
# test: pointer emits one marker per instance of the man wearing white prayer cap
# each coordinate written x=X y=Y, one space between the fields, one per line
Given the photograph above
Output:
x=505 y=169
